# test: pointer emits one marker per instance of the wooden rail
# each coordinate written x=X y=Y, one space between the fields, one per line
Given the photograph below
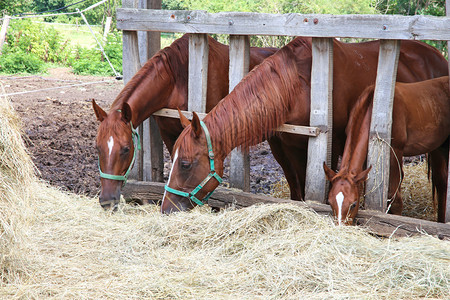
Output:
x=304 y=130
x=244 y=23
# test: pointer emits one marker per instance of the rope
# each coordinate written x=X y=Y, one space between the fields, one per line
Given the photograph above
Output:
x=381 y=141
x=118 y=76
x=56 y=88
x=41 y=15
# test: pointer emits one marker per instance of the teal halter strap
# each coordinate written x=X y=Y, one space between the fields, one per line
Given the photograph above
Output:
x=137 y=146
x=212 y=174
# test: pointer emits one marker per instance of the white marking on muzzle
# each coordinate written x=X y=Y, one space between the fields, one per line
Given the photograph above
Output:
x=339 y=201
x=175 y=157
x=110 y=144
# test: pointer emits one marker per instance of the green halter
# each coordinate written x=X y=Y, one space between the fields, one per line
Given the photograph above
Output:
x=212 y=174
x=137 y=146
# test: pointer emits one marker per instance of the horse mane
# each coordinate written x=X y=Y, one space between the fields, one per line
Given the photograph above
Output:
x=357 y=133
x=260 y=103
x=169 y=63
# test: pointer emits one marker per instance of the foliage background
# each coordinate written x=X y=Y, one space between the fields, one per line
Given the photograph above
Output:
x=30 y=47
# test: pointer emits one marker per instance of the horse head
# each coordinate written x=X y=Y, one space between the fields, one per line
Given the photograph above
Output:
x=117 y=143
x=195 y=170
x=344 y=193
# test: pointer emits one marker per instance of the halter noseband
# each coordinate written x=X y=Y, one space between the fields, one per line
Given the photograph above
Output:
x=212 y=174
x=137 y=146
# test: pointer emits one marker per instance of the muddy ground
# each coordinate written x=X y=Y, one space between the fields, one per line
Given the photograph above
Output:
x=60 y=129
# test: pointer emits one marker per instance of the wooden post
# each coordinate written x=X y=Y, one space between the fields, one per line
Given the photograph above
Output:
x=447 y=210
x=198 y=72
x=152 y=150
x=107 y=28
x=239 y=65
x=131 y=65
x=319 y=148
x=3 y=31
x=380 y=127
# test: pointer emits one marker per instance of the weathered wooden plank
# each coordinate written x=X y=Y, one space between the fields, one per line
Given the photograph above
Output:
x=131 y=65
x=447 y=209
x=198 y=72
x=153 y=160
x=239 y=66
x=380 y=127
x=304 y=130
x=292 y=24
x=319 y=148
x=3 y=31
x=377 y=222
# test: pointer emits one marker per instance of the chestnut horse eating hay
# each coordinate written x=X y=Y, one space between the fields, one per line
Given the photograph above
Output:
x=276 y=92
x=161 y=83
x=420 y=124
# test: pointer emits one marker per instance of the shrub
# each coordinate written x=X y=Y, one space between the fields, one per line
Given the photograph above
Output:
x=21 y=62
x=34 y=38
x=92 y=61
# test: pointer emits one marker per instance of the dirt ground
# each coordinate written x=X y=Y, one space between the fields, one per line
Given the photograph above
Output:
x=60 y=129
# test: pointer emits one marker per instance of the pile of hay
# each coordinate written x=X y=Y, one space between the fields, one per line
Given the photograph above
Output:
x=16 y=174
x=72 y=249
x=75 y=250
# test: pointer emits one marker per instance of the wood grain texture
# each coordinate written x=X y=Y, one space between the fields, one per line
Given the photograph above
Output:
x=292 y=24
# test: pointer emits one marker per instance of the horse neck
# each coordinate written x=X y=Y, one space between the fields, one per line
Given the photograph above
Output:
x=156 y=84
x=358 y=127
x=257 y=105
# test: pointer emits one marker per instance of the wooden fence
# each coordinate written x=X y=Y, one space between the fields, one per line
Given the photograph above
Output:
x=390 y=29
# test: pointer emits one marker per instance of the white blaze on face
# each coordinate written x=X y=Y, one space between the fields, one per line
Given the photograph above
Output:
x=339 y=201
x=110 y=144
x=175 y=157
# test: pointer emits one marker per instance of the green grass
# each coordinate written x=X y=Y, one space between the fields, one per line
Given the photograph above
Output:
x=79 y=35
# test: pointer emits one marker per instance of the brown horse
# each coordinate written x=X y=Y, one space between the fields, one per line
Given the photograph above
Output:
x=420 y=124
x=161 y=83
x=277 y=92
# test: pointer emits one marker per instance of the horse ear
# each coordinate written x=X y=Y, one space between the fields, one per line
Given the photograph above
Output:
x=99 y=112
x=328 y=172
x=126 y=112
x=363 y=175
x=196 y=127
x=184 y=121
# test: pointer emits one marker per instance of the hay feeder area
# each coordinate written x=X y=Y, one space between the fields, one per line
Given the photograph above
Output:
x=56 y=245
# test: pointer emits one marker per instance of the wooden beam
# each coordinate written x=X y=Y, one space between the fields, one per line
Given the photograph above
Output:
x=3 y=31
x=198 y=72
x=130 y=66
x=380 y=127
x=303 y=130
x=447 y=208
x=319 y=148
x=154 y=152
x=239 y=67
x=292 y=24
x=377 y=222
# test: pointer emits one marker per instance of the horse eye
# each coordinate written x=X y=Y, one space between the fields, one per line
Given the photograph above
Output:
x=125 y=150
x=353 y=205
x=185 y=165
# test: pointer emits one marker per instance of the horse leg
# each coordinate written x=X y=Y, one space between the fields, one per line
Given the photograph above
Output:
x=395 y=202
x=278 y=152
x=439 y=173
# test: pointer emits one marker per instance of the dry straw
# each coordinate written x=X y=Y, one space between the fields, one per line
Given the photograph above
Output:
x=16 y=173
x=75 y=250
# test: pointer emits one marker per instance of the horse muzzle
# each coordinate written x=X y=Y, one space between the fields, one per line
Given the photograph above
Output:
x=109 y=199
